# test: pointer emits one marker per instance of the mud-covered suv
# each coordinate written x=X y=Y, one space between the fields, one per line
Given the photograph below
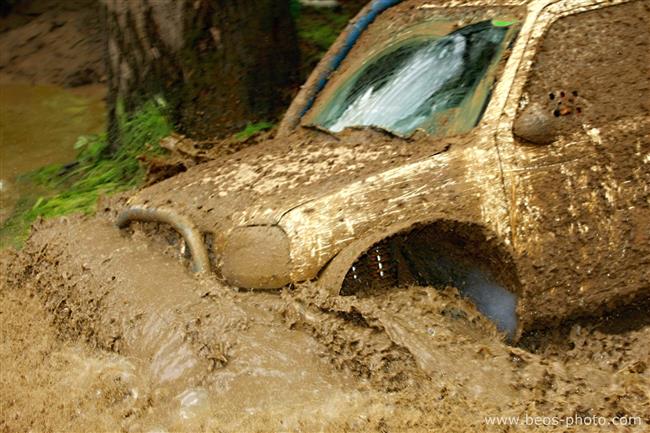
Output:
x=502 y=147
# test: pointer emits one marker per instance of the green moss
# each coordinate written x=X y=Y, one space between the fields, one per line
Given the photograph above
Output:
x=253 y=129
x=75 y=187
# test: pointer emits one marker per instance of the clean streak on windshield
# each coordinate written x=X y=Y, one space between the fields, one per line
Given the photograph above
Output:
x=416 y=83
x=397 y=103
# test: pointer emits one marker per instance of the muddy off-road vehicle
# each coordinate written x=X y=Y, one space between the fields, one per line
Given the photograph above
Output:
x=502 y=147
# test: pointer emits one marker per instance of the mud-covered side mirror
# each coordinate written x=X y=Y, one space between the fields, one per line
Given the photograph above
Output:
x=536 y=125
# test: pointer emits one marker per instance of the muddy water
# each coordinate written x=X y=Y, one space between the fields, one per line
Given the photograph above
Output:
x=157 y=349
x=39 y=125
x=203 y=356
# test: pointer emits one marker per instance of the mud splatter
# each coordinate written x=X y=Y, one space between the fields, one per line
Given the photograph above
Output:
x=87 y=343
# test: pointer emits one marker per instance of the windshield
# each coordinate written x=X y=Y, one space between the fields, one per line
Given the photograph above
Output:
x=438 y=83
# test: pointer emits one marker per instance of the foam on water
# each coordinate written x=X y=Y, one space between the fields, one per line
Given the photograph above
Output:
x=493 y=300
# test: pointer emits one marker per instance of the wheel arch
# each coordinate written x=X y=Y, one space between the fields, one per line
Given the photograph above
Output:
x=483 y=256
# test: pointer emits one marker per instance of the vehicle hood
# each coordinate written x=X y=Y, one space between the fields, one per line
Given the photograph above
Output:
x=258 y=185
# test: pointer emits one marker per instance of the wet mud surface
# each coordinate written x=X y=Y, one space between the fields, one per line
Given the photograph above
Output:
x=52 y=42
x=102 y=331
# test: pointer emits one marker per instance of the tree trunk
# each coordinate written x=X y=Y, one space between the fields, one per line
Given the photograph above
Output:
x=216 y=63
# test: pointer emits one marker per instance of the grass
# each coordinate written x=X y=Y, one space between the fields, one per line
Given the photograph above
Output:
x=253 y=129
x=322 y=29
x=75 y=187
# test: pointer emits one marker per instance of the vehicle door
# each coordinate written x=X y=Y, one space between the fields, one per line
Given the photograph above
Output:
x=574 y=142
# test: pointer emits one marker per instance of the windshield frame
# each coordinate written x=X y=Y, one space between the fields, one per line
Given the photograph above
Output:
x=435 y=27
x=452 y=91
x=301 y=110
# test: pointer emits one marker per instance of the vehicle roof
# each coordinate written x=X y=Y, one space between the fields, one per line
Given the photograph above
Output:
x=532 y=4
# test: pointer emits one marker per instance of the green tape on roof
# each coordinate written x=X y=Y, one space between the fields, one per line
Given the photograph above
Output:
x=500 y=23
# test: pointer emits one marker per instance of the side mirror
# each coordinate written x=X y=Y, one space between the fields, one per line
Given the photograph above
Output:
x=536 y=125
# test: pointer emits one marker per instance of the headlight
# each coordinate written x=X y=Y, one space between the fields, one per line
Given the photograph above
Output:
x=257 y=257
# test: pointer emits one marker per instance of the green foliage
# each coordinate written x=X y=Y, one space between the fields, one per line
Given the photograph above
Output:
x=323 y=28
x=253 y=129
x=75 y=187
x=294 y=8
x=317 y=30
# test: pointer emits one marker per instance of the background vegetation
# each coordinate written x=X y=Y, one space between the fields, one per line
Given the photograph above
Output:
x=75 y=187
x=98 y=169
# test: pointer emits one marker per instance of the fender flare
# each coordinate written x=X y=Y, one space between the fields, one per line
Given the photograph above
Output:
x=493 y=263
x=331 y=277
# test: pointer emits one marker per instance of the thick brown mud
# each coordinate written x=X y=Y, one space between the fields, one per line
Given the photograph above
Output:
x=102 y=331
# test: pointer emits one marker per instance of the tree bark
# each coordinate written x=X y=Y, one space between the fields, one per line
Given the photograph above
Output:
x=217 y=63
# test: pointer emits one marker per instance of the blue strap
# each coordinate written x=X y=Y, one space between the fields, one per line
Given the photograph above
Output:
x=377 y=7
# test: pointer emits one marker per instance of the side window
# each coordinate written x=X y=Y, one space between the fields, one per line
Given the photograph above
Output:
x=591 y=68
